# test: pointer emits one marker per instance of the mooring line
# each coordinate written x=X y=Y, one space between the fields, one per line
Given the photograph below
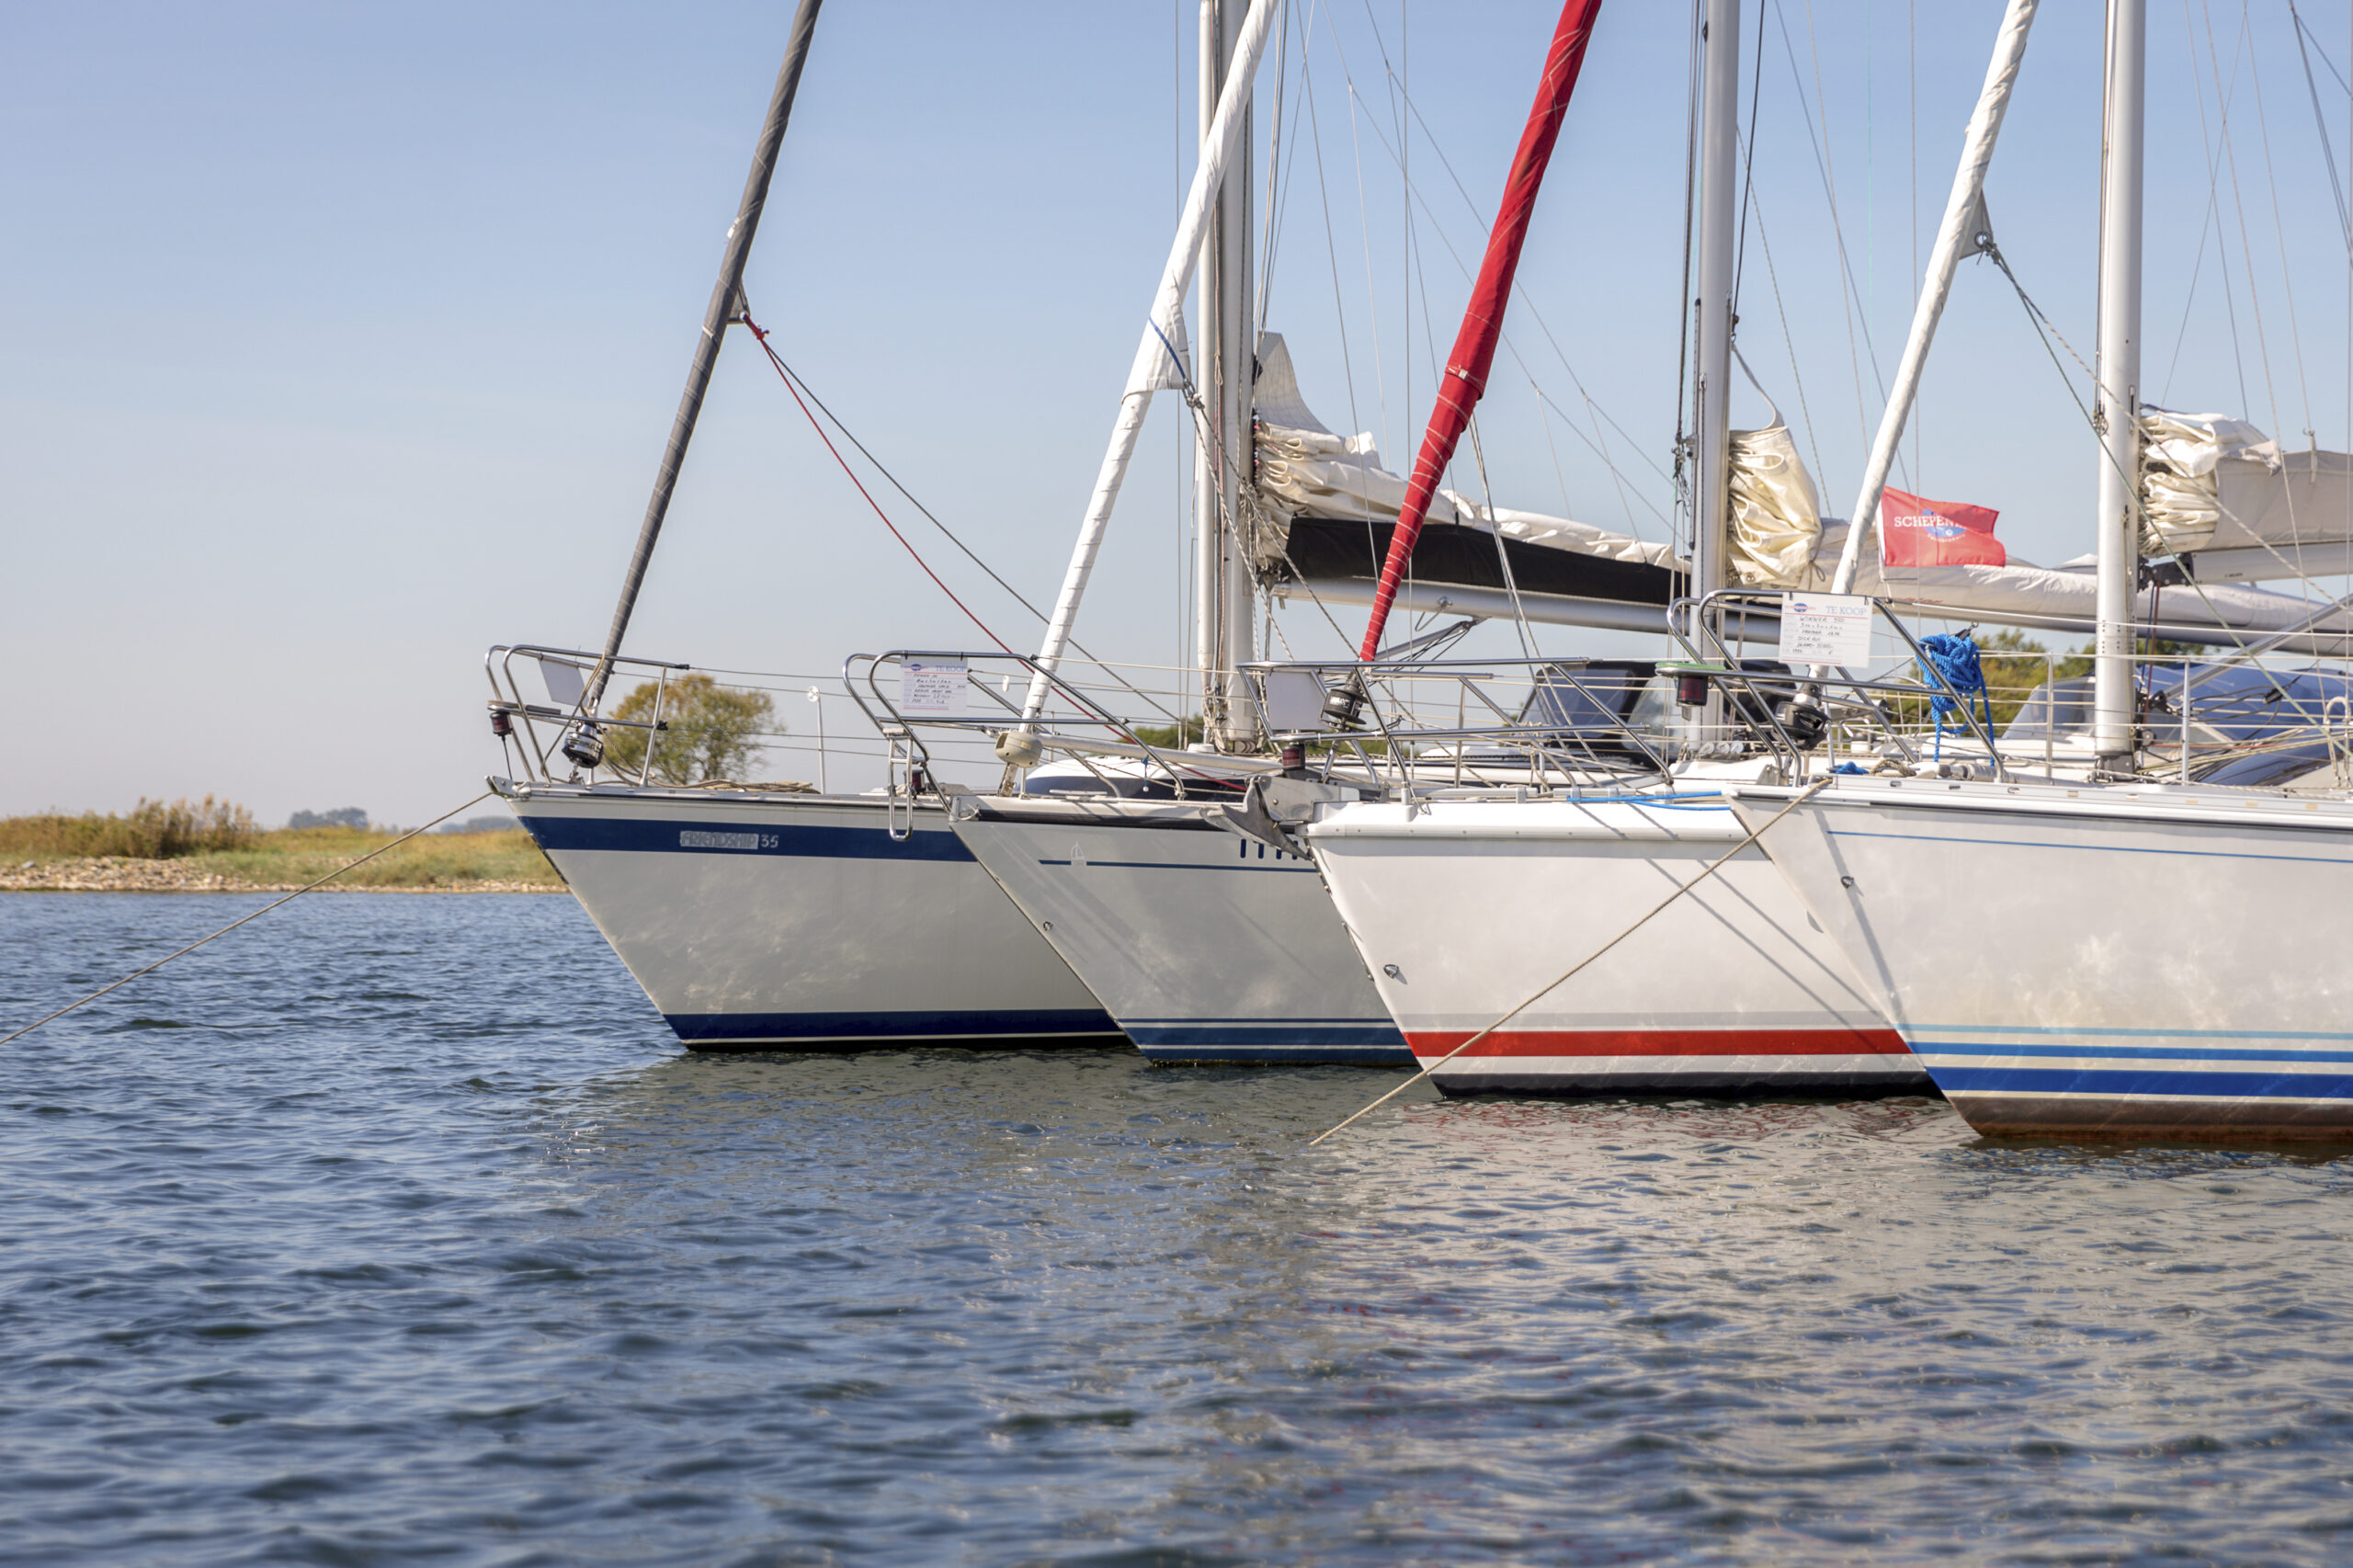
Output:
x=1551 y=985
x=256 y=914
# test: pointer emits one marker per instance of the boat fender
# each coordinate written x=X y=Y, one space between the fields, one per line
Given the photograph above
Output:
x=1019 y=748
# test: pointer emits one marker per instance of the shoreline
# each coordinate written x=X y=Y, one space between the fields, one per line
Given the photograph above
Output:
x=123 y=874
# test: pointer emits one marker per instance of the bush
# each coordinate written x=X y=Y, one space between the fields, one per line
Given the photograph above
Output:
x=708 y=730
x=152 y=831
x=1170 y=737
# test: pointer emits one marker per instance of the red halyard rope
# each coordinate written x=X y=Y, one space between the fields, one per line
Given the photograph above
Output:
x=761 y=336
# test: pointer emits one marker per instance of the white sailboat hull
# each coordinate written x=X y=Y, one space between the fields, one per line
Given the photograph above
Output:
x=1464 y=909
x=2152 y=961
x=796 y=921
x=1204 y=945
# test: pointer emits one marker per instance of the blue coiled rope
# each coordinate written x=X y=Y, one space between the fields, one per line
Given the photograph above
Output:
x=1955 y=659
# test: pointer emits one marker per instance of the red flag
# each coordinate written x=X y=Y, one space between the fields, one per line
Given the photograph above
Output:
x=1914 y=532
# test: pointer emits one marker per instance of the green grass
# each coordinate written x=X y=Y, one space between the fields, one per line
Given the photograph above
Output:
x=304 y=854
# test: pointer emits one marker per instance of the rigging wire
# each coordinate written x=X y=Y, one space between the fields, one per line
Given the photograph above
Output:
x=2206 y=139
x=1850 y=300
x=1748 y=158
x=1521 y=299
x=1332 y=250
x=759 y=334
x=232 y=924
x=1522 y=302
x=2238 y=202
x=1788 y=341
x=2320 y=121
x=2280 y=236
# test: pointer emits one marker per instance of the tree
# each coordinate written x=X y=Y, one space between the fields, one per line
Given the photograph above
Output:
x=708 y=730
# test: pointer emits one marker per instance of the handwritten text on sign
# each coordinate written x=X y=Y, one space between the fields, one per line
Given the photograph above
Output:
x=1825 y=628
x=932 y=686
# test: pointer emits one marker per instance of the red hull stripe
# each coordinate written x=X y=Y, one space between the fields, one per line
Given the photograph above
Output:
x=1428 y=1043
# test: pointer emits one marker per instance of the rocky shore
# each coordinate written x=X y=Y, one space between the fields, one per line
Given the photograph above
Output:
x=117 y=873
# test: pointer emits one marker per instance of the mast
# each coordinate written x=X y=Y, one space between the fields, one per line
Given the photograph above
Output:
x=1221 y=464
x=1465 y=379
x=726 y=304
x=1208 y=540
x=1712 y=304
x=1153 y=348
x=1959 y=236
x=2117 y=412
x=1237 y=360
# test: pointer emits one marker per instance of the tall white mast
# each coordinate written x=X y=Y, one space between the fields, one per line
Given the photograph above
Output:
x=1223 y=611
x=1237 y=354
x=2117 y=411
x=1956 y=237
x=1209 y=537
x=1153 y=349
x=1712 y=303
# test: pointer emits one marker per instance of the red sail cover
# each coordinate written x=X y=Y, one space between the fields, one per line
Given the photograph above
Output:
x=1914 y=532
x=1482 y=319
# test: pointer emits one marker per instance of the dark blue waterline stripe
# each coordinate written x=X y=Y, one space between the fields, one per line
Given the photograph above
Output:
x=1184 y=865
x=1213 y=1033
x=2092 y=849
x=1262 y=1019
x=2204 y=1085
x=2143 y=1052
x=992 y=1024
x=808 y=840
x=2136 y=1034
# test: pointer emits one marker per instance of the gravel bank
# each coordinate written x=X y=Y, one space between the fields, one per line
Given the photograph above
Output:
x=120 y=874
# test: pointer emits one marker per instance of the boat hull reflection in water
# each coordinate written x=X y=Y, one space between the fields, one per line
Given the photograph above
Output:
x=2151 y=961
x=1464 y=909
x=800 y=921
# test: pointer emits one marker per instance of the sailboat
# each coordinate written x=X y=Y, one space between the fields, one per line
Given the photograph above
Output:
x=1204 y=928
x=774 y=918
x=2140 y=958
x=1208 y=946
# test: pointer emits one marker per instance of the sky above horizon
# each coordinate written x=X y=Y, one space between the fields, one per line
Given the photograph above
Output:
x=338 y=344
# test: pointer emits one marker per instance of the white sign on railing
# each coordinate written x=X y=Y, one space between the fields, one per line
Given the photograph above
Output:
x=1825 y=628
x=932 y=686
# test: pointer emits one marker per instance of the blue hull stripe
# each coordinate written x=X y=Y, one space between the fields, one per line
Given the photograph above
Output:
x=2126 y=1085
x=2071 y=1029
x=811 y=841
x=1291 y=1036
x=2134 y=1053
x=1008 y=1024
x=1185 y=866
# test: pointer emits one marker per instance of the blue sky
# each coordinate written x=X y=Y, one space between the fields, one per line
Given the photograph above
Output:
x=339 y=342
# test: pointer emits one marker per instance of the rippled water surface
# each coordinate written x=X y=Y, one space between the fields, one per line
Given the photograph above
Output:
x=397 y=1229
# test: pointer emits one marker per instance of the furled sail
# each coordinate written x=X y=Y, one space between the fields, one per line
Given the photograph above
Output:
x=1326 y=512
x=2220 y=494
x=1321 y=506
x=1776 y=517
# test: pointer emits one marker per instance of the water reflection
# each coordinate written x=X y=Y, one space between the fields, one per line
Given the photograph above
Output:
x=412 y=1236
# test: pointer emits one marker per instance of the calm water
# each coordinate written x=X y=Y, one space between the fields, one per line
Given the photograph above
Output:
x=397 y=1229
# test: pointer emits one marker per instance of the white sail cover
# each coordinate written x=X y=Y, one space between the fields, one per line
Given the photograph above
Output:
x=1306 y=469
x=1780 y=541
x=2221 y=492
x=1776 y=515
